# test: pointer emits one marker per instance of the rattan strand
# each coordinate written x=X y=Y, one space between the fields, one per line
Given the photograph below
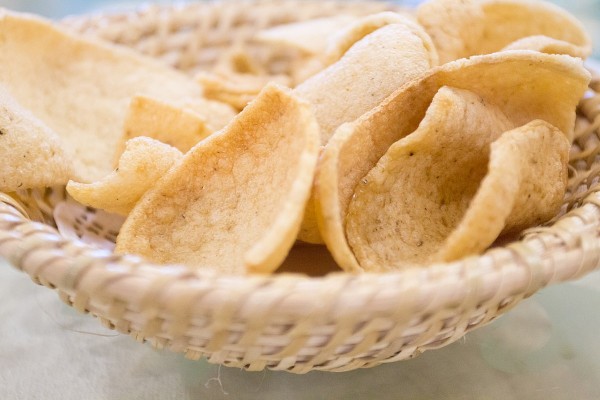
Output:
x=292 y=322
x=192 y=36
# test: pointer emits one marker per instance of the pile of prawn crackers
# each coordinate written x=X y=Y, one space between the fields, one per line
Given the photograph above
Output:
x=395 y=139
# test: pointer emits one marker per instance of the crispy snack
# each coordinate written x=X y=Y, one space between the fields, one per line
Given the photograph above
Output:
x=534 y=158
x=367 y=73
x=177 y=127
x=548 y=45
x=181 y=124
x=235 y=89
x=143 y=162
x=310 y=37
x=235 y=202
x=342 y=40
x=216 y=114
x=80 y=88
x=303 y=68
x=462 y=28
x=433 y=197
x=32 y=154
x=525 y=85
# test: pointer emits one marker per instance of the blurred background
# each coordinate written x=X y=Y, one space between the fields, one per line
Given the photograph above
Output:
x=587 y=11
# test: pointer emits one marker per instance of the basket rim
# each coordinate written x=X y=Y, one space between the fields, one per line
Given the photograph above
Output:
x=532 y=262
x=137 y=298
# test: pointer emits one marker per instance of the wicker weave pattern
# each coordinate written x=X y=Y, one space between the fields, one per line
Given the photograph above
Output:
x=291 y=322
x=191 y=37
x=338 y=322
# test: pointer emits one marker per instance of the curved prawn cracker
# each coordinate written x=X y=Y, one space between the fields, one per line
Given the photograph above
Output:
x=235 y=201
x=32 y=154
x=371 y=69
x=236 y=89
x=342 y=40
x=79 y=87
x=164 y=122
x=378 y=63
x=180 y=124
x=433 y=196
x=462 y=28
x=548 y=45
x=535 y=156
x=216 y=114
x=525 y=85
x=143 y=162
x=310 y=37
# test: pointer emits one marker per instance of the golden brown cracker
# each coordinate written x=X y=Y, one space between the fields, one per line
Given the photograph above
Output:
x=236 y=200
x=462 y=28
x=141 y=165
x=32 y=154
x=525 y=85
x=80 y=88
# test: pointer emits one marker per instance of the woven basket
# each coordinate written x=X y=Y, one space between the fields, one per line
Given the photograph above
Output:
x=290 y=321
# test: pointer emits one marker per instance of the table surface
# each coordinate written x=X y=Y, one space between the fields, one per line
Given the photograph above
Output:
x=546 y=348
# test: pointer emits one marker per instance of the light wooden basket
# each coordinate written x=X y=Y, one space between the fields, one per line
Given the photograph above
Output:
x=290 y=321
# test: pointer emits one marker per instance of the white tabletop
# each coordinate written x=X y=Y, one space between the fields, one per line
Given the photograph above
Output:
x=547 y=348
